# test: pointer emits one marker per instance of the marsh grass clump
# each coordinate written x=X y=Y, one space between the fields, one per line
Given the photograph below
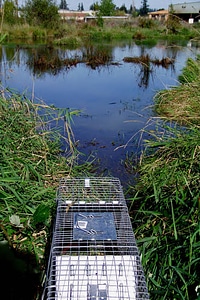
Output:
x=146 y=60
x=95 y=56
x=31 y=166
x=166 y=213
x=68 y=41
x=144 y=22
x=39 y=33
x=20 y=32
x=138 y=35
x=166 y=200
x=182 y=103
x=49 y=60
x=191 y=71
x=143 y=59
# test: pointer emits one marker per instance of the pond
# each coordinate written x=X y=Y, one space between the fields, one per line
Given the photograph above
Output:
x=115 y=97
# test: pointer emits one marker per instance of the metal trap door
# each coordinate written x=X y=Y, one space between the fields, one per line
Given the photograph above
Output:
x=94 y=225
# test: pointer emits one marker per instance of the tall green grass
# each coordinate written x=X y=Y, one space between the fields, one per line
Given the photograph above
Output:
x=31 y=165
x=182 y=103
x=134 y=28
x=166 y=214
x=166 y=202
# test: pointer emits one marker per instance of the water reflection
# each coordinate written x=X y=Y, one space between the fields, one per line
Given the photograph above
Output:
x=53 y=60
x=116 y=98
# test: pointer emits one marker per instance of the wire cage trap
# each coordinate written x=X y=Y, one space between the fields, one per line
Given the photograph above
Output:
x=93 y=255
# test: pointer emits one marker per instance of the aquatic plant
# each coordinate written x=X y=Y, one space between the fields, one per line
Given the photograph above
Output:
x=166 y=197
x=68 y=41
x=191 y=71
x=181 y=103
x=75 y=32
x=165 y=211
x=31 y=166
x=146 y=59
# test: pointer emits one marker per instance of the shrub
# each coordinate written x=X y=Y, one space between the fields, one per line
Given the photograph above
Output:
x=144 y=22
x=38 y=34
x=68 y=41
x=41 y=12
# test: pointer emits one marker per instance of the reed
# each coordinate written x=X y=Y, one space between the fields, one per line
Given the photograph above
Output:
x=182 y=103
x=31 y=166
x=166 y=213
x=166 y=199
x=72 y=32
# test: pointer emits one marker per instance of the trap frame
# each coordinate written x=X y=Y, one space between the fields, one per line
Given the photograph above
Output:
x=93 y=255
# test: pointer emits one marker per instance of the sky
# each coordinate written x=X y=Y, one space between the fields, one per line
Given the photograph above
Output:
x=73 y=4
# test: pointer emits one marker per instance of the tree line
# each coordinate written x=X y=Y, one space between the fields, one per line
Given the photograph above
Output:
x=45 y=12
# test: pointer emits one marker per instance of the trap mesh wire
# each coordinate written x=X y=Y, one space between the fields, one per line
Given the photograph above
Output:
x=94 y=255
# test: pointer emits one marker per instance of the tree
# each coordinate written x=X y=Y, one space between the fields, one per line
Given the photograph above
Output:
x=107 y=8
x=144 y=8
x=80 y=7
x=10 y=12
x=42 y=12
x=94 y=6
x=123 y=8
x=63 y=4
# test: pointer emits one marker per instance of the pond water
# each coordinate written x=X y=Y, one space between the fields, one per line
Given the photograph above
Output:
x=115 y=99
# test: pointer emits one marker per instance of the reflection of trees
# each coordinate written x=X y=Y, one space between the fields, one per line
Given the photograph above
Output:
x=51 y=60
x=144 y=69
x=48 y=60
x=146 y=64
x=97 y=55
x=144 y=74
x=9 y=57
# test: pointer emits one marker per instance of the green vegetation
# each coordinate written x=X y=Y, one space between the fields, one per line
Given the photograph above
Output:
x=166 y=197
x=10 y=12
x=173 y=23
x=31 y=166
x=144 y=8
x=41 y=12
x=32 y=25
x=69 y=41
x=181 y=103
x=191 y=72
x=106 y=8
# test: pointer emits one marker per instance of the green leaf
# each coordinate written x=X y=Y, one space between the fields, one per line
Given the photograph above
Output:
x=147 y=239
x=15 y=220
x=42 y=214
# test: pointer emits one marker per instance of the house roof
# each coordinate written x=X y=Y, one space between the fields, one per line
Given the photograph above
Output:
x=73 y=14
x=159 y=12
x=186 y=8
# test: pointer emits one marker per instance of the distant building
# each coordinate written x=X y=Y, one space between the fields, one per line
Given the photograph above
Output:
x=89 y=18
x=75 y=15
x=158 y=15
x=85 y=16
x=189 y=12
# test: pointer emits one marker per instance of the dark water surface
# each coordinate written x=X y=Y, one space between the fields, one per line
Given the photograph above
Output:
x=116 y=100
